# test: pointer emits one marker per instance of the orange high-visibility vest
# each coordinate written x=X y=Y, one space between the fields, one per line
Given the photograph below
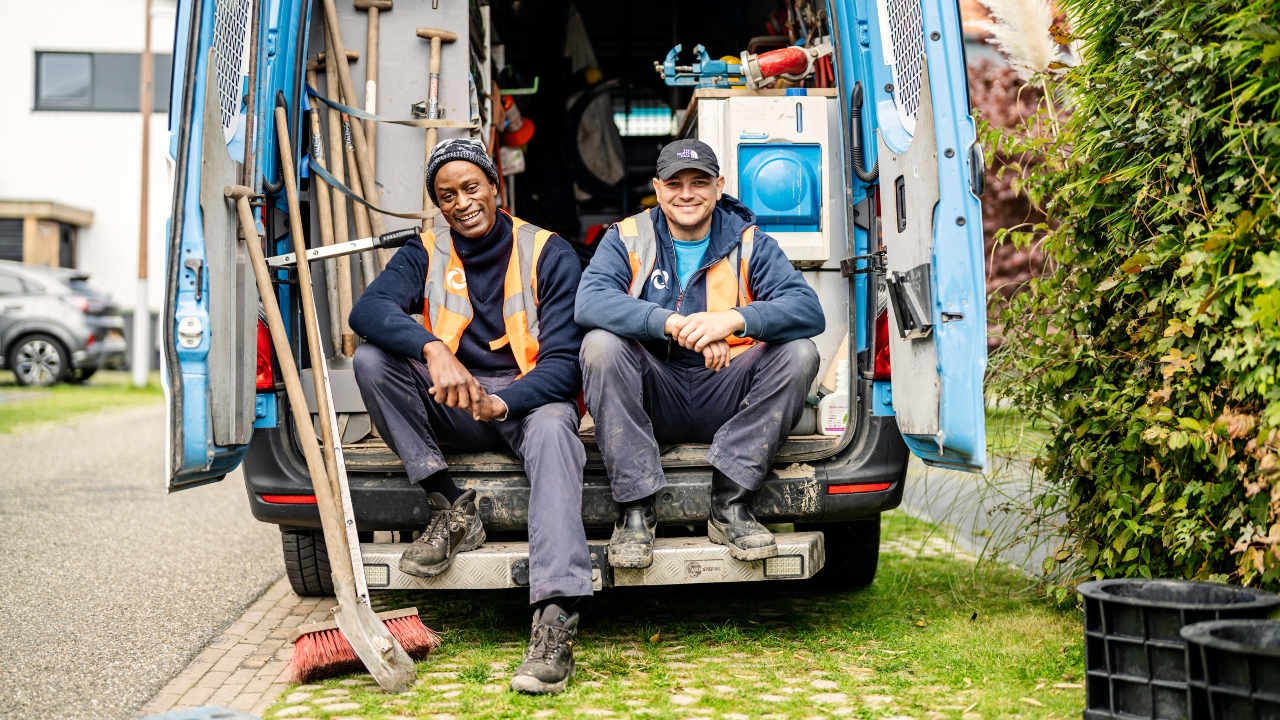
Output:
x=447 y=306
x=728 y=286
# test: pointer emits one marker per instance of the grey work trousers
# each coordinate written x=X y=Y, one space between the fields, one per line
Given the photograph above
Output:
x=413 y=424
x=745 y=411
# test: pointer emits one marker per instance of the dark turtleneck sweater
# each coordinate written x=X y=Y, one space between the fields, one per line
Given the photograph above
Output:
x=382 y=314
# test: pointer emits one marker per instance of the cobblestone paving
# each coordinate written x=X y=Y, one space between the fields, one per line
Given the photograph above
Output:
x=244 y=668
x=766 y=651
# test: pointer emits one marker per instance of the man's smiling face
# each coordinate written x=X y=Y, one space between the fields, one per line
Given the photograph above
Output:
x=468 y=201
x=689 y=197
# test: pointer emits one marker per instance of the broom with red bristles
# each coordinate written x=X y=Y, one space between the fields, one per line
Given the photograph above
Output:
x=357 y=632
x=320 y=651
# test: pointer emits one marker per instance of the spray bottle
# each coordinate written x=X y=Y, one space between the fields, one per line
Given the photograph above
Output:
x=833 y=411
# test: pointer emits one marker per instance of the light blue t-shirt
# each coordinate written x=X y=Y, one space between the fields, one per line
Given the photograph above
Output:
x=689 y=257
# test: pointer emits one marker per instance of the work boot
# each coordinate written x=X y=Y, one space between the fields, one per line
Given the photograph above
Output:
x=632 y=542
x=454 y=528
x=548 y=661
x=733 y=525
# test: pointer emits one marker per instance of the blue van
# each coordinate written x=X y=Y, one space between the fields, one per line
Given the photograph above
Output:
x=886 y=225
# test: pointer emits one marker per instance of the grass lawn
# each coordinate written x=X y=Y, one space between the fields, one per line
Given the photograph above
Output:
x=106 y=390
x=934 y=637
x=1011 y=434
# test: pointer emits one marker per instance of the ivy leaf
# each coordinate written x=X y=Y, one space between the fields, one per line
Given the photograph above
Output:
x=1135 y=263
x=1130 y=554
x=1267 y=265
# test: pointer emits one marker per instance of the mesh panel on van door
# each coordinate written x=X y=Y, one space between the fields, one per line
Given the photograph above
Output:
x=230 y=41
x=906 y=36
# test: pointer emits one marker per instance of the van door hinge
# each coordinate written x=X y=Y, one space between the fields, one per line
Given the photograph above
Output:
x=875 y=264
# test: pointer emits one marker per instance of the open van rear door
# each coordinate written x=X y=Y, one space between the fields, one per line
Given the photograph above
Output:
x=931 y=225
x=209 y=328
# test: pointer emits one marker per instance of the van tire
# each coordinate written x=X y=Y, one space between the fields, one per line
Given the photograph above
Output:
x=853 y=551
x=306 y=561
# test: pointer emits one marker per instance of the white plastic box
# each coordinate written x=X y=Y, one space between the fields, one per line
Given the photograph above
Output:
x=774 y=153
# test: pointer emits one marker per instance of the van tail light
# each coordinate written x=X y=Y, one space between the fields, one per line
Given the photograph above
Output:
x=266 y=375
x=859 y=488
x=880 y=368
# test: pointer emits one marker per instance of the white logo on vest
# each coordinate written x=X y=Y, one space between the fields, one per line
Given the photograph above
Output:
x=660 y=279
x=456 y=279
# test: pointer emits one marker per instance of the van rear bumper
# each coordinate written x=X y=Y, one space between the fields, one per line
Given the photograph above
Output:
x=388 y=501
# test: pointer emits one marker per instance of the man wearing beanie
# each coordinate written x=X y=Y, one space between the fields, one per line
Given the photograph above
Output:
x=702 y=335
x=491 y=365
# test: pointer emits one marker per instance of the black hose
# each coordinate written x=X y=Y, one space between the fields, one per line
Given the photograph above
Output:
x=855 y=139
x=275 y=187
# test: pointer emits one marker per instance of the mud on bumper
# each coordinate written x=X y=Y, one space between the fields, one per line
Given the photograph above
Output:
x=797 y=493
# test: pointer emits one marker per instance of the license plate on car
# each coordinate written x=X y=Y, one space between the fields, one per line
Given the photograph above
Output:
x=114 y=335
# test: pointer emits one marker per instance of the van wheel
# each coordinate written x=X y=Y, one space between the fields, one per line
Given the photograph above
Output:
x=306 y=560
x=39 y=360
x=853 y=551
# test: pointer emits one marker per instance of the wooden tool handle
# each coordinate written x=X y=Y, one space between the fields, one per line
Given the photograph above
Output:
x=326 y=223
x=341 y=563
x=326 y=502
x=337 y=154
x=363 y=162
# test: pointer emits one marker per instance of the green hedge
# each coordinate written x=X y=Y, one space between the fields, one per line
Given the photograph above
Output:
x=1151 y=349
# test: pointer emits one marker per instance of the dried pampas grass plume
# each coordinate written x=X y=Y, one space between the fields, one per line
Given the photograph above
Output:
x=1021 y=32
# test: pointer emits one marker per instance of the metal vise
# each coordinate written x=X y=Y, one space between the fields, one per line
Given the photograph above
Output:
x=704 y=73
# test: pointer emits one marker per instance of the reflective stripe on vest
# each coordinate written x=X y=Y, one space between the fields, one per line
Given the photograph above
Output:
x=728 y=285
x=448 y=308
x=642 y=248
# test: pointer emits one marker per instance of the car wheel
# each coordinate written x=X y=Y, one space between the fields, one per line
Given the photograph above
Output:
x=39 y=360
x=853 y=551
x=306 y=561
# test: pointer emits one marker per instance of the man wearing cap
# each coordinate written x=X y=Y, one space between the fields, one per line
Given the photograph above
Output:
x=492 y=364
x=699 y=332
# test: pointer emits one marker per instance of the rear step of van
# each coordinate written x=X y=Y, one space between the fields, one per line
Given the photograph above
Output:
x=676 y=561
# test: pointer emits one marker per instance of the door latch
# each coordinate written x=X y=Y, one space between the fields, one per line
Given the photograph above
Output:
x=911 y=294
x=875 y=264
x=190 y=331
x=196 y=266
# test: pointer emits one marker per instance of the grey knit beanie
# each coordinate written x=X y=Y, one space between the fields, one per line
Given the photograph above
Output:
x=446 y=151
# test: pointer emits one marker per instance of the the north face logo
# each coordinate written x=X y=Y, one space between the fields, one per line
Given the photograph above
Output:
x=689 y=154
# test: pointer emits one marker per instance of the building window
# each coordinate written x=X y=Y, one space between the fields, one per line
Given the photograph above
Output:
x=104 y=82
x=641 y=113
x=66 y=79
x=11 y=239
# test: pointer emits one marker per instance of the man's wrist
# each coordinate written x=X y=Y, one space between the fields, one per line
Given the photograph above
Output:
x=505 y=410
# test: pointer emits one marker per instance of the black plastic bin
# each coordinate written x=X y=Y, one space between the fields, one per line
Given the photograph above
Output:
x=1233 y=669
x=1134 y=655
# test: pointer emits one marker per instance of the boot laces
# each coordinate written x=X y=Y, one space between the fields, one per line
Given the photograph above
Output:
x=438 y=529
x=545 y=641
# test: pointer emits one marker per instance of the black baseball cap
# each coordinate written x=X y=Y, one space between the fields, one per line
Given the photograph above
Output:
x=683 y=154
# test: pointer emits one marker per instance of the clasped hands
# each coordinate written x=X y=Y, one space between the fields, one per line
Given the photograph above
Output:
x=455 y=387
x=705 y=332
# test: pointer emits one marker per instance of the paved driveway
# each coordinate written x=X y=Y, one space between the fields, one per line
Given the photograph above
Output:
x=979 y=513
x=109 y=586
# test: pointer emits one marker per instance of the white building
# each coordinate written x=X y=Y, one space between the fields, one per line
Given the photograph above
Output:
x=72 y=146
